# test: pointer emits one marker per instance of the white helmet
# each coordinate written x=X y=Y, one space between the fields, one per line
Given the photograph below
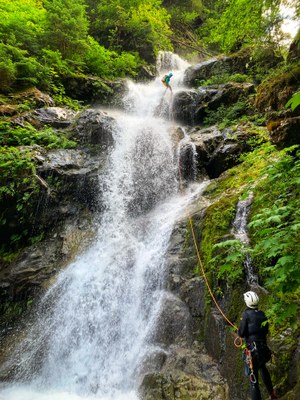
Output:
x=251 y=299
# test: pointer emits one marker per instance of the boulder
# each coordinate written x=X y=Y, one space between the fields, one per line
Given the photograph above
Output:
x=187 y=375
x=216 y=66
x=94 y=127
x=284 y=132
x=273 y=93
x=174 y=323
x=72 y=176
x=92 y=89
x=32 y=95
x=192 y=106
x=55 y=117
x=216 y=151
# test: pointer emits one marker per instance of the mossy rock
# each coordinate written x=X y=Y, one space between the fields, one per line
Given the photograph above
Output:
x=274 y=92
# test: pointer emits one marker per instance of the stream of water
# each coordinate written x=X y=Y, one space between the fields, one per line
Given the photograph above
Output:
x=94 y=323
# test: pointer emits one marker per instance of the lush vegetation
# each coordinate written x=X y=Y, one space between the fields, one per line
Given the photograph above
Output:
x=20 y=187
x=273 y=176
x=43 y=42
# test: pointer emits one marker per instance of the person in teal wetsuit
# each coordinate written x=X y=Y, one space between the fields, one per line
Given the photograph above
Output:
x=166 y=81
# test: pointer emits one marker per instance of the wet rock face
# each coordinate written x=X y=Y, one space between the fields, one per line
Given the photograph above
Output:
x=94 y=90
x=192 y=106
x=187 y=375
x=55 y=117
x=182 y=369
x=174 y=323
x=215 y=66
x=72 y=176
x=94 y=127
x=285 y=132
x=35 y=268
x=216 y=150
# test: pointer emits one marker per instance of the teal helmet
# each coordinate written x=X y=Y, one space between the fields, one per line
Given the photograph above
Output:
x=170 y=74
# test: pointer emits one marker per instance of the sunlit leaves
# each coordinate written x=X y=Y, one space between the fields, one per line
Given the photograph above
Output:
x=236 y=23
x=275 y=235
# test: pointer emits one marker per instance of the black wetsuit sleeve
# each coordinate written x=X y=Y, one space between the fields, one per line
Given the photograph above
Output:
x=243 y=328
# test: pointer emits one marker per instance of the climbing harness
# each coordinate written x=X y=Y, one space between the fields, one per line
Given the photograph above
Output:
x=249 y=362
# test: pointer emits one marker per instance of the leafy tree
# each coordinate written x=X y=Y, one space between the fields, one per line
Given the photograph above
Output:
x=236 y=23
x=67 y=27
x=17 y=67
x=22 y=24
x=133 y=25
x=109 y=64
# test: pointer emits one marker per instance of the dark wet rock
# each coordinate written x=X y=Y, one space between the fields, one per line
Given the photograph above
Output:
x=33 y=95
x=215 y=66
x=192 y=106
x=174 y=323
x=35 y=268
x=94 y=90
x=187 y=375
x=294 y=50
x=73 y=178
x=94 y=127
x=284 y=132
x=216 y=151
x=55 y=117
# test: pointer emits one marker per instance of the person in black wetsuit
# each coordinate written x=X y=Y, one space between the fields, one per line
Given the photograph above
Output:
x=254 y=329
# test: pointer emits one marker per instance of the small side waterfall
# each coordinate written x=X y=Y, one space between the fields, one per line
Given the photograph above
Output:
x=93 y=325
x=239 y=229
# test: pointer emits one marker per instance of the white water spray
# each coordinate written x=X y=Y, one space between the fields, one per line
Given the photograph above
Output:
x=94 y=325
x=240 y=232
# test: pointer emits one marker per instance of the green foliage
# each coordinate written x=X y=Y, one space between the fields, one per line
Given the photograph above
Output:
x=237 y=23
x=66 y=27
x=133 y=25
x=217 y=222
x=294 y=101
x=18 y=66
x=227 y=115
x=22 y=24
x=43 y=43
x=223 y=256
x=18 y=186
x=109 y=64
x=230 y=257
x=225 y=78
x=20 y=136
x=275 y=227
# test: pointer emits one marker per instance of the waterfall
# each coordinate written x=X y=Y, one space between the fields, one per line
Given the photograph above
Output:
x=239 y=229
x=93 y=326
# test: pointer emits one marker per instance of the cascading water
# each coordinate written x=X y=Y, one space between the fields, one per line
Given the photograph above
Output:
x=239 y=230
x=93 y=326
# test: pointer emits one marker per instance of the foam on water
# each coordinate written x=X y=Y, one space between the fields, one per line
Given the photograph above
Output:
x=94 y=325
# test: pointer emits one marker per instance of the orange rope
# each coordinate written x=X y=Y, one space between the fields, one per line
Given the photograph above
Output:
x=238 y=340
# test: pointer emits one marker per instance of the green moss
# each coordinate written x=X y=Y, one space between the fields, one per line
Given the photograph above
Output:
x=11 y=311
x=276 y=90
